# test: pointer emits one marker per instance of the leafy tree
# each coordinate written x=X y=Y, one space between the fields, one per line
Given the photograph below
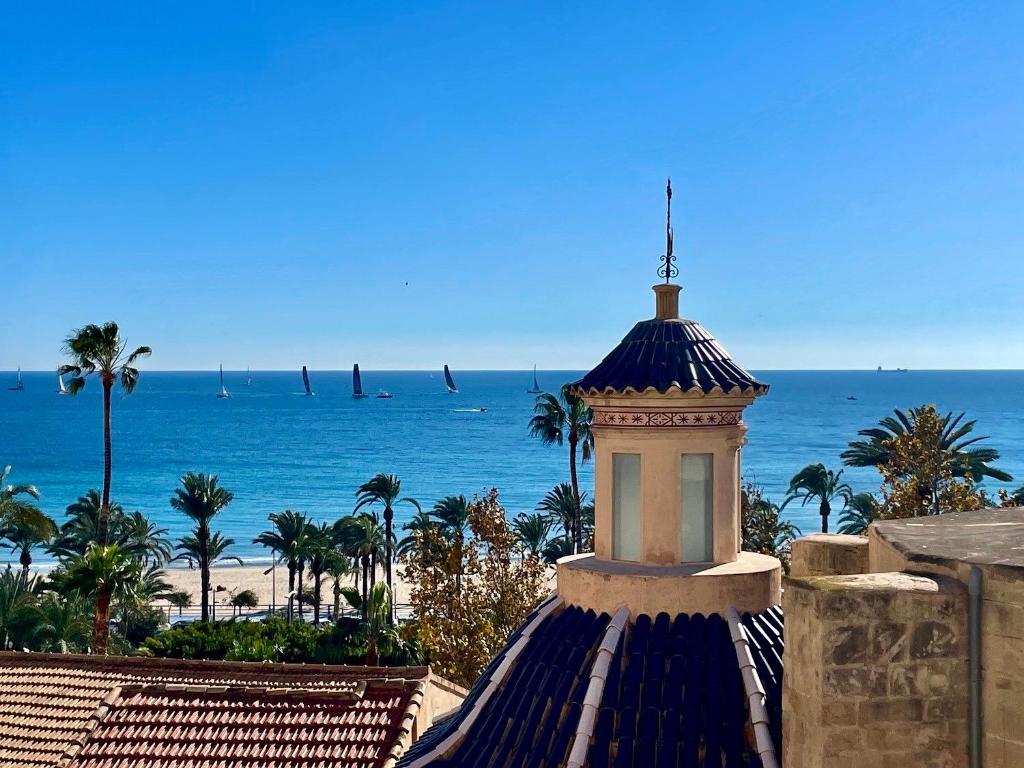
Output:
x=244 y=599
x=566 y=418
x=180 y=599
x=100 y=350
x=858 y=515
x=385 y=490
x=532 y=531
x=288 y=540
x=201 y=499
x=461 y=629
x=762 y=528
x=815 y=483
x=99 y=573
x=923 y=476
x=953 y=438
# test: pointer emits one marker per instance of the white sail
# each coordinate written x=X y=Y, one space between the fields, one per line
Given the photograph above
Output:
x=61 y=389
x=223 y=390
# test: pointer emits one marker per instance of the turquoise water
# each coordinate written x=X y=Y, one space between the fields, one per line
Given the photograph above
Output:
x=276 y=449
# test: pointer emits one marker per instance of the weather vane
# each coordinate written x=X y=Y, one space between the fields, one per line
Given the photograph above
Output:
x=668 y=268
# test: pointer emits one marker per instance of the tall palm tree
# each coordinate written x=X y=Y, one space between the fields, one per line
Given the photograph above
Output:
x=859 y=514
x=452 y=516
x=814 y=482
x=874 y=451
x=100 y=350
x=364 y=536
x=574 y=514
x=206 y=553
x=566 y=418
x=321 y=554
x=103 y=570
x=532 y=531
x=201 y=499
x=385 y=490
x=287 y=540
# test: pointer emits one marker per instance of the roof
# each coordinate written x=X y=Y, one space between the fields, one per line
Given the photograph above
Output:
x=672 y=693
x=983 y=537
x=113 y=712
x=669 y=354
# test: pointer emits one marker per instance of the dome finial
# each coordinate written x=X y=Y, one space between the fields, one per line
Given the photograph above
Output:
x=668 y=268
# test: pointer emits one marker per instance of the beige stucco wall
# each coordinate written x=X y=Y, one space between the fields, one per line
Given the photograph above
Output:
x=439 y=697
x=827 y=554
x=876 y=672
x=751 y=583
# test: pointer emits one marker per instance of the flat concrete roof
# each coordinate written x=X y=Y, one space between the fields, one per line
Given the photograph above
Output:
x=984 y=537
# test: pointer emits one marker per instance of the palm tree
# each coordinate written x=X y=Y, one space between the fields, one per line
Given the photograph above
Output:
x=875 y=451
x=287 y=540
x=420 y=523
x=364 y=537
x=9 y=493
x=322 y=553
x=532 y=531
x=573 y=513
x=133 y=532
x=64 y=623
x=815 y=482
x=19 y=617
x=180 y=599
x=556 y=549
x=99 y=349
x=99 y=573
x=144 y=539
x=201 y=498
x=385 y=490
x=566 y=418
x=452 y=516
x=24 y=528
x=376 y=630
x=859 y=514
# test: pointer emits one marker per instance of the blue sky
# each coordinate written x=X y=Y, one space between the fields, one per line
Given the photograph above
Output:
x=270 y=184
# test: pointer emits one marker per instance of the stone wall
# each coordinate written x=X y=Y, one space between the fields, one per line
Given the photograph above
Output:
x=1002 y=663
x=828 y=554
x=876 y=672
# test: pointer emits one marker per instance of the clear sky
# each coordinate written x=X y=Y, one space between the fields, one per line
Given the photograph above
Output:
x=402 y=184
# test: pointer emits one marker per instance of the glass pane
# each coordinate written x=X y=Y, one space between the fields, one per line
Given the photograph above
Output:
x=626 y=506
x=697 y=493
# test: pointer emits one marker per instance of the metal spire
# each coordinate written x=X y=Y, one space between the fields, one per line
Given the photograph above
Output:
x=668 y=268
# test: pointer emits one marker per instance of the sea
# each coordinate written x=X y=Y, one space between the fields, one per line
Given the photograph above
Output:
x=277 y=449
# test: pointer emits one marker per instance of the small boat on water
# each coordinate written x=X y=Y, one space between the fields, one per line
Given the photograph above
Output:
x=61 y=389
x=384 y=395
x=19 y=386
x=535 y=389
x=449 y=381
x=248 y=377
x=305 y=382
x=223 y=394
x=357 y=383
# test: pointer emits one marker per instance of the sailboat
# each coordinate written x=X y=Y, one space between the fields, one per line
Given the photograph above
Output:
x=535 y=389
x=248 y=377
x=305 y=382
x=223 y=390
x=449 y=381
x=19 y=386
x=357 y=383
x=61 y=389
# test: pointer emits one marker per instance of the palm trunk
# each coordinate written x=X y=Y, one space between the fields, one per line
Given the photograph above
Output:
x=104 y=527
x=337 y=597
x=316 y=599
x=366 y=580
x=291 y=589
x=204 y=586
x=26 y=562
x=389 y=516
x=302 y=567
x=101 y=624
x=372 y=657
x=826 y=509
x=577 y=538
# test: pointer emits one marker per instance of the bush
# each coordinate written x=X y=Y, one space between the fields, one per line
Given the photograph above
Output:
x=274 y=640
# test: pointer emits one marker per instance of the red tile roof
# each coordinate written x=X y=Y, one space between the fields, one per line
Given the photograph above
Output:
x=109 y=712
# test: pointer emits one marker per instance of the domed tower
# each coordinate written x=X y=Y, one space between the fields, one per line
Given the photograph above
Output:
x=663 y=648
x=668 y=429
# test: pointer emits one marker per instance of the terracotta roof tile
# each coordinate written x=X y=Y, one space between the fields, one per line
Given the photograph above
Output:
x=108 y=712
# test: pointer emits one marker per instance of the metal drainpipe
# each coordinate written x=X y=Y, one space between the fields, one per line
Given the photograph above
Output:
x=974 y=663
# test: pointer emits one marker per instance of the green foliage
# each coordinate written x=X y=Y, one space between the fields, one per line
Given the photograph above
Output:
x=245 y=599
x=858 y=515
x=816 y=483
x=763 y=530
x=273 y=640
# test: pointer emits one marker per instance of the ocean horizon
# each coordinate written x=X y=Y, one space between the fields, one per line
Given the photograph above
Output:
x=276 y=449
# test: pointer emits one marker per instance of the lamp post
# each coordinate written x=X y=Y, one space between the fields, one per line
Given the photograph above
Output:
x=213 y=603
x=272 y=570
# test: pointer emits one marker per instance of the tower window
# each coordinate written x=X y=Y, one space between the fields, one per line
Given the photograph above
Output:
x=626 y=526
x=697 y=496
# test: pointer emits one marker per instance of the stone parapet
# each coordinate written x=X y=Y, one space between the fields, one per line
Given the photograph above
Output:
x=876 y=672
x=829 y=554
